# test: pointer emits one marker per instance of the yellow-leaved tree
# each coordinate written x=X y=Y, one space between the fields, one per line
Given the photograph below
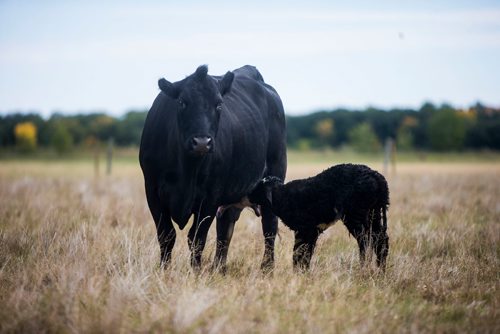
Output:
x=25 y=134
x=324 y=131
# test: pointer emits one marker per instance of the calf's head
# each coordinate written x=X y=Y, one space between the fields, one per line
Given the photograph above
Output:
x=199 y=105
x=262 y=194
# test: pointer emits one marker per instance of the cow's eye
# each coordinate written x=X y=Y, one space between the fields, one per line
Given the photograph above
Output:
x=182 y=104
x=218 y=107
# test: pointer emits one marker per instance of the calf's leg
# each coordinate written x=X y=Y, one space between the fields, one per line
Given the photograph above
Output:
x=382 y=249
x=303 y=249
x=358 y=226
x=380 y=239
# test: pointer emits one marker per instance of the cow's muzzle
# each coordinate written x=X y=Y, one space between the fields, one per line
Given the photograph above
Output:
x=201 y=145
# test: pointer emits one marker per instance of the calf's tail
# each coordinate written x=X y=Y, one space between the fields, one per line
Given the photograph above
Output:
x=384 y=219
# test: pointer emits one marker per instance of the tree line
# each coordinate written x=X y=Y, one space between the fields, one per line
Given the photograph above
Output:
x=430 y=127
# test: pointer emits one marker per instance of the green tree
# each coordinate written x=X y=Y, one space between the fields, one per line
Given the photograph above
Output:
x=61 y=140
x=102 y=126
x=363 y=139
x=446 y=130
x=405 y=136
x=484 y=128
x=129 y=128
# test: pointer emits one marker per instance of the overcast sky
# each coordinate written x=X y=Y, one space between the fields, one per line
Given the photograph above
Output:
x=107 y=56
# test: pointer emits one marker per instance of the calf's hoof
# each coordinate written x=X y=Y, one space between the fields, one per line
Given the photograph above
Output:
x=267 y=265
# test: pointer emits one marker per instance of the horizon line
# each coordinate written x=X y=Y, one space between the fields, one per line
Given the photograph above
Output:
x=97 y=110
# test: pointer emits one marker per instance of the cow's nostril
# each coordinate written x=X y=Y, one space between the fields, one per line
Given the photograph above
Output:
x=201 y=144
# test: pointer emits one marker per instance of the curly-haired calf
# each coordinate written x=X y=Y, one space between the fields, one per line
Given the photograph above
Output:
x=355 y=194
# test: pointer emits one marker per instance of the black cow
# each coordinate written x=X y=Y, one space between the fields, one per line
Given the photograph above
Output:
x=207 y=142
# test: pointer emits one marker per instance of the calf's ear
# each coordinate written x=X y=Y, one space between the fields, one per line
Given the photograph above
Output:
x=270 y=182
x=226 y=82
x=168 y=88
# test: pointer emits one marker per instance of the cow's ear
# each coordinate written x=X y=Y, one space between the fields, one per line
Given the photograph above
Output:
x=168 y=88
x=226 y=82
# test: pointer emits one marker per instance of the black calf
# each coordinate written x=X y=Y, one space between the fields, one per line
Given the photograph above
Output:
x=355 y=194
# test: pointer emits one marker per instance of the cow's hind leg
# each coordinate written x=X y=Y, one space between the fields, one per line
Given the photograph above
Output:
x=164 y=229
x=197 y=235
x=225 y=228
x=269 y=229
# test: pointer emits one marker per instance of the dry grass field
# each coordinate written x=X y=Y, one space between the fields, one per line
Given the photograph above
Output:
x=79 y=254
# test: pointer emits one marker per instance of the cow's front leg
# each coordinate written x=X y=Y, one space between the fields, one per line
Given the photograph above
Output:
x=197 y=235
x=166 y=238
x=269 y=229
x=165 y=230
x=225 y=228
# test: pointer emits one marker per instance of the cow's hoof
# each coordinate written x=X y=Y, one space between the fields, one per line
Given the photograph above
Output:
x=164 y=265
x=196 y=265
x=301 y=269
x=218 y=268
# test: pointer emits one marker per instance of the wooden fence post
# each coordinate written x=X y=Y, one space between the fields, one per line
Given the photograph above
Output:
x=96 y=161
x=109 y=156
x=389 y=155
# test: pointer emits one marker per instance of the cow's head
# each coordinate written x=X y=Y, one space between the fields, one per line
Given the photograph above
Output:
x=199 y=105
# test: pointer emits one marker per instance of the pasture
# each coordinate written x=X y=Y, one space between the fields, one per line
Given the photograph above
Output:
x=78 y=253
